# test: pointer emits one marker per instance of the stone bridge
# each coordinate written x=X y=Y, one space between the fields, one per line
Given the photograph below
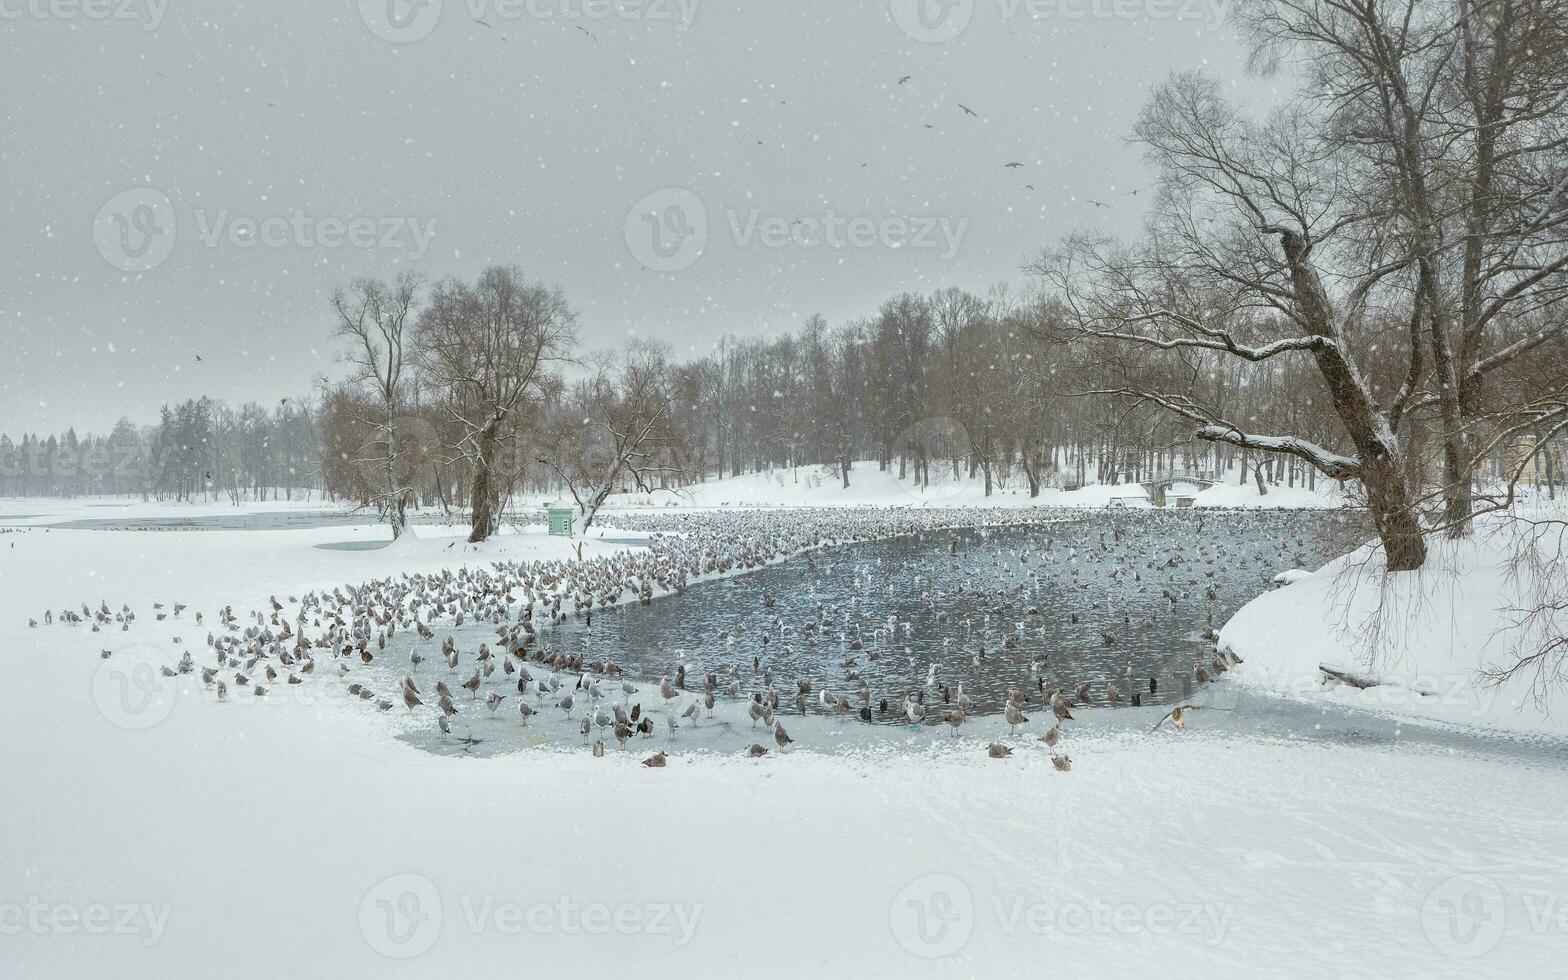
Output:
x=1156 y=489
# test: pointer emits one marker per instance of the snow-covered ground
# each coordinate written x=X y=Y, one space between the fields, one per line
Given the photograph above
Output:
x=1431 y=639
x=147 y=831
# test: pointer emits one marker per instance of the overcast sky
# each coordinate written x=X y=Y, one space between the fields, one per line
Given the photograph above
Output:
x=272 y=150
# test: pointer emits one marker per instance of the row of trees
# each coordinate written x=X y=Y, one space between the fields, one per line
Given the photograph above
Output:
x=199 y=447
x=1368 y=284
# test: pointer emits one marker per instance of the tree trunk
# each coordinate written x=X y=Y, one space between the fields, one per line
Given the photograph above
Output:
x=1382 y=469
x=483 y=500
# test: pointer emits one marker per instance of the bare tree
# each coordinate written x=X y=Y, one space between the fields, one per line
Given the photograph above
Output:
x=1452 y=115
x=1260 y=248
x=486 y=349
x=373 y=320
x=613 y=429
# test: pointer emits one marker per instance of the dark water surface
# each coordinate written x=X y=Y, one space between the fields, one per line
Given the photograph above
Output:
x=1116 y=596
x=938 y=609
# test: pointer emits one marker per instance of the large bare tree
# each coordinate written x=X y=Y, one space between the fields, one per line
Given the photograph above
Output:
x=486 y=349
x=1454 y=117
x=1260 y=248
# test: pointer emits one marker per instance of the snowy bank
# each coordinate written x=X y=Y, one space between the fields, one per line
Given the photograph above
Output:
x=1427 y=642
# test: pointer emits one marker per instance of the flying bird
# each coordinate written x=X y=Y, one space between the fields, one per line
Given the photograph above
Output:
x=1012 y=166
x=904 y=79
x=968 y=111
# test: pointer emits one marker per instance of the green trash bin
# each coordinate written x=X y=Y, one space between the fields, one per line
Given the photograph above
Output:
x=561 y=519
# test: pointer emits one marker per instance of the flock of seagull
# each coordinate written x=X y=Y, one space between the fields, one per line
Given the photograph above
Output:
x=353 y=631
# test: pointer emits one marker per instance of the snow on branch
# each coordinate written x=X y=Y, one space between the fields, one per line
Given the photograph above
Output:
x=1333 y=464
x=1216 y=340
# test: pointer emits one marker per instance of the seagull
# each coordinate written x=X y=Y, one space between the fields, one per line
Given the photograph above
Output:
x=905 y=79
x=968 y=111
x=1059 y=707
x=1014 y=716
x=1012 y=166
x=954 y=717
x=1098 y=204
x=588 y=32
x=1177 y=715
x=655 y=761
x=996 y=751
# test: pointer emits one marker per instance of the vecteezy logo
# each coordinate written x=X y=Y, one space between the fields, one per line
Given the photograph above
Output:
x=400 y=21
x=932 y=21
x=401 y=916
x=135 y=229
x=933 y=916
x=1464 y=916
x=131 y=688
x=667 y=230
